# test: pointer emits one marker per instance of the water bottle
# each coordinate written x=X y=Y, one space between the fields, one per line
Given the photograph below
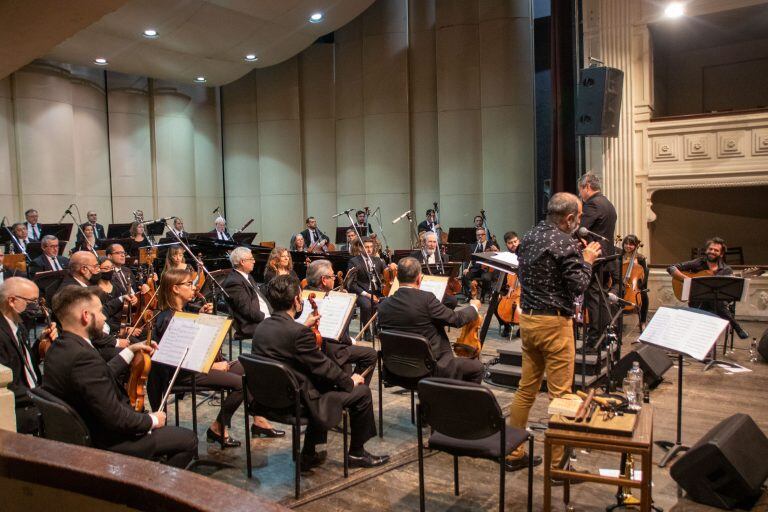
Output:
x=753 y=351
x=635 y=375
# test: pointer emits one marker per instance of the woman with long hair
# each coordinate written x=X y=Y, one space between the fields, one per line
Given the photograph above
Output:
x=138 y=238
x=298 y=243
x=279 y=263
x=89 y=243
x=174 y=259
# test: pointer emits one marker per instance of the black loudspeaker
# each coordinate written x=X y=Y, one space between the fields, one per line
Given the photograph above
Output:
x=762 y=346
x=598 y=101
x=727 y=467
x=653 y=361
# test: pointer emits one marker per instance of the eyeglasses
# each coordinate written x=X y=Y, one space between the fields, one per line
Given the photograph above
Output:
x=331 y=276
x=30 y=301
x=248 y=259
x=119 y=252
x=190 y=284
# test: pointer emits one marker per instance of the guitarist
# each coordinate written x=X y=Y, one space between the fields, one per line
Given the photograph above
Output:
x=712 y=261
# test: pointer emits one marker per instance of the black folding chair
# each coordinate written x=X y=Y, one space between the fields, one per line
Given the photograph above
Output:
x=404 y=359
x=60 y=422
x=466 y=421
x=271 y=390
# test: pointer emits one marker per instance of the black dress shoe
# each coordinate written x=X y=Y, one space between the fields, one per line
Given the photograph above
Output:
x=312 y=460
x=521 y=463
x=257 y=431
x=506 y=331
x=228 y=442
x=742 y=333
x=367 y=460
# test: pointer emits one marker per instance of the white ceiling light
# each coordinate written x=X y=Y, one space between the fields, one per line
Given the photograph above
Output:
x=150 y=33
x=251 y=57
x=100 y=61
x=316 y=17
x=200 y=79
x=674 y=10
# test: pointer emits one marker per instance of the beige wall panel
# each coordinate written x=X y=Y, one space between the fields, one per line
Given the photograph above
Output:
x=124 y=206
x=240 y=208
x=426 y=175
x=352 y=31
x=207 y=156
x=8 y=195
x=385 y=86
x=460 y=151
x=458 y=67
x=508 y=211
x=505 y=62
x=344 y=202
x=321 y=205
x=508 y=151
x=280 y=158
x=392 y=205
x=350 y=177
x=385 y=17
x=317 y=84
x=91 y=153
x=492 y=9
x=43 y=84
x=422 y=71
x=175 y=157
x=239 y=100
x=457 y=210
x=130 y=154
x=386 y=154
x=241 y=160
x=319 y=139
x=277 y=91
x=456 y=12
x=421 y=16
x=349 y=79
x=279 y=219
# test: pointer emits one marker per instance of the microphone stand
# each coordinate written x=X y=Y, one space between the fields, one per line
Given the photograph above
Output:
x=370 y=269
x=381 y=230
x=414 y=234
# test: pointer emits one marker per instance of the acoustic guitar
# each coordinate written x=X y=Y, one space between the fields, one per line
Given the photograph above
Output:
x=677 y=284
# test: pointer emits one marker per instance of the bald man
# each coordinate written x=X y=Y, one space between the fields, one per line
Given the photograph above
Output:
x=19 y=302
x=83 y=265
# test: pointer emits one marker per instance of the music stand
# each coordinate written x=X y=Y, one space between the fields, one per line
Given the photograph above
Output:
x=62 y=231
x=119 y=230
x=154 y=228
x=462 y=236
x=341 y=235
x=716 y=289
x=244 y=238
x=458 y=252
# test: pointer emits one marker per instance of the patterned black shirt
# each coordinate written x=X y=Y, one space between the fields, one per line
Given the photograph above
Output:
x=700 y=264
x=551 y=269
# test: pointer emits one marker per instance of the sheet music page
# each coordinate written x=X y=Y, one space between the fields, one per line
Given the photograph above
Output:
x=179 y=335
x=335 y=311
x=686 y=289
x=702 y=333
x=506 y=257
x=434 y=284
x=684 y=331
x=307 y=310
x=203 y=335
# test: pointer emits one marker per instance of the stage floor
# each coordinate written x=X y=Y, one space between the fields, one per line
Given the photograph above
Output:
x=709 y=397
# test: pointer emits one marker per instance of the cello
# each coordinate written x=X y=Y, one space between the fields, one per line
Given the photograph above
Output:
x=508 y=308
x=633 y=277
x=468 y=343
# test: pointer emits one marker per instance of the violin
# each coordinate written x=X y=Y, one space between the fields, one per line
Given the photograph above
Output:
x=199 y=276
x=387 y=278
x=141 y=364
x=468 y=343
x=508 y=308
x=315 y=328
x=46 y=341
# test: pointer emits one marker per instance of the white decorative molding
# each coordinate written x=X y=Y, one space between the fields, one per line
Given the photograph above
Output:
x=730 y=144
x=665 y=148
x=760 y=142
x=697 y=146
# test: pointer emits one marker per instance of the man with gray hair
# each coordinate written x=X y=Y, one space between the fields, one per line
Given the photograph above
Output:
x=599 y=217
x=220 y=232
x=553 y=270
x=50 y=259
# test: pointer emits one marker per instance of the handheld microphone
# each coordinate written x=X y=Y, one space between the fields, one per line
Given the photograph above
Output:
x=615 y=299
x=345 y=212
x=401 y=217
x=605 y=259
x=584 y=233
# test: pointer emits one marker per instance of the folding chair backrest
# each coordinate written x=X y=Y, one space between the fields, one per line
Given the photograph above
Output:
x=60 y=421
x=270 y=383
x=406 y=355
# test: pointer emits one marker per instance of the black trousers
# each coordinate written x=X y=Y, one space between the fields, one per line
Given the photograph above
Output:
x=460 y=368
x=484 y=278
x=347 y=356
x=366 y=309
x=721 y=309
x=361 y=420
x=175 y=445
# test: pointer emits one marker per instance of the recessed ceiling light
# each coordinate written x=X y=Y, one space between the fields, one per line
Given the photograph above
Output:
x=200 y=79
x=100 y=61
x=251 y=57
x=674 y=10
x=316 y=17
x=150 y=33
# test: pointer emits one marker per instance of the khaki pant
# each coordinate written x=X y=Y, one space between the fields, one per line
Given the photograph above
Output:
x=548 y=345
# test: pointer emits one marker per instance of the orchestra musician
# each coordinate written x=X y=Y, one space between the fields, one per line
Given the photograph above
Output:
x=298 y=243
x=313 y=236
x=629 y=248
x=279 y=263
x=475 y=271
x=325 y=387
x=714 y=262
x=600 y=218
x=512 y=242
x=220 y=232
x=82 y=271
x=138 y=238
x=178 y=229
x=429 y=223
x=417 y=311
x=320 y=278
x=18 y=305
x=175 y=258
x=34 y=230
x=123 y=278
x=50 y=259
x=353 y=244
x=553 y=271
x=90 y=243
x=427 y=255
x=363 y=227
x=78 y=375
x=98 y=229
x=19 y=245
x=111 y=299
x=367 y=283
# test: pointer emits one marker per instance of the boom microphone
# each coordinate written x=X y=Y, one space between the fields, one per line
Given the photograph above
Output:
x=401 y=217
x=614 y=299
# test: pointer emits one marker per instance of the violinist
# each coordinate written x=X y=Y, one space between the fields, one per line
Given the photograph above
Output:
x=88 y=243
x=123 y=278
x=367 y=284
x=138 y=238
x=430 y=222
x=111 y=298
x=175 y=293
x=629 y=250
x=320 y=278
x=279 y=263
x=76 y=374
x=476 y=271
x=298 y=243
x=363 y=227
x=19 y=304
x=175 y=259
x=316 y=239
x=83 y=266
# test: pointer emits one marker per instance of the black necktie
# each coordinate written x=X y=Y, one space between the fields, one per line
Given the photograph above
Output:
x=21 y=337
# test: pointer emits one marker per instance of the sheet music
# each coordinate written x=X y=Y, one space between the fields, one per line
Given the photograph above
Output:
x=202 y=334
x=684 y=331
x=434 y=284
x=506 y=257
x=335 y=310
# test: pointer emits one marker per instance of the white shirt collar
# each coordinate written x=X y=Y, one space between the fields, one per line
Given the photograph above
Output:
x=13 y=325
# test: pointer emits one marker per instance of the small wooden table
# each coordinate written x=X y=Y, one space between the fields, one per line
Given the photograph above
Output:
x=641 y=443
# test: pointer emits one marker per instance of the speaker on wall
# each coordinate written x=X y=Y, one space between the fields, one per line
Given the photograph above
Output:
x=598 y=101
x=727 y=467
x=653 y=361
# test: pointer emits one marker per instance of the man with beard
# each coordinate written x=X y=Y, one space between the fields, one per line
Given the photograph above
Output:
x=77 y=374
x=712 y=261
x=553 y=271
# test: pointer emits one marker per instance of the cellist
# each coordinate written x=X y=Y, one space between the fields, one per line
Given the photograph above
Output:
x=512 y=241
x=629 y=252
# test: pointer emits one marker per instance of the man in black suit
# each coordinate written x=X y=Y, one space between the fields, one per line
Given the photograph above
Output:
x=363 y=227
x=18 y=303
x=419 y=312
x=50 y=259
x=34 y=229
x=123 y=278
x=19 y=245
x=367 y=284
x=325 y=387
x=352 y=241
x=430 y=256
x=178 y=229
x=599 y=216
x=475 y=271
x=430 y=223
x=247 y=305
x=76 y=373
x=98 y=229
x=313 y=237
x=219 y=232
x=320 y=278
